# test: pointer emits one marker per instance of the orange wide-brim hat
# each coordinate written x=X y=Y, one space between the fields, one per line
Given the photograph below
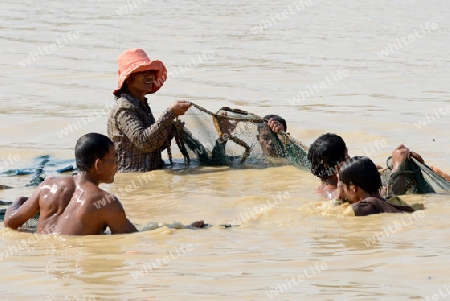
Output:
x=136 y=60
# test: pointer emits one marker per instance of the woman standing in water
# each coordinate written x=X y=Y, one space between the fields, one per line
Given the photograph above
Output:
x=138 y=138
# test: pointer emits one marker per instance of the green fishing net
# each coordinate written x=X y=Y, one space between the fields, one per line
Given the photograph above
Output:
x=233 y=138
x=413 y=177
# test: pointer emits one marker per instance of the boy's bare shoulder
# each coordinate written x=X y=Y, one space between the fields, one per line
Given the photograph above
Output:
x=59 y=180
x=57 y=183
x=102 y=199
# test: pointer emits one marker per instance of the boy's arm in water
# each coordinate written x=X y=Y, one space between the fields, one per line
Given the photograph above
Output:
x=399 y=155
x=22 y=210
x=116 y=218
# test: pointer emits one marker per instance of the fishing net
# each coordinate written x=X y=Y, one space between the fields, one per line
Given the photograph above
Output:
x=413 y=177
x=234 y=138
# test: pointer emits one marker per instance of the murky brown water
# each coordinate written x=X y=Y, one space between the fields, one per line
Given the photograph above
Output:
x=262 y=57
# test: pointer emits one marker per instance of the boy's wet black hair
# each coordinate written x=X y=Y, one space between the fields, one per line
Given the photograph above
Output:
x=362 y=172
x=90 y=147
x=325 y=154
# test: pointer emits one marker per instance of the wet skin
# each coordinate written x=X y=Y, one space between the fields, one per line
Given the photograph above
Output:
x=68 y=205
x=76 y=205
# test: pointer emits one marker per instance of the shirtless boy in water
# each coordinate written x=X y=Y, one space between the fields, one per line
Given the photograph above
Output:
x=67 y=204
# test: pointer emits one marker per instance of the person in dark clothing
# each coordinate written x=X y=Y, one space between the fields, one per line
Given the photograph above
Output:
x=361 y=183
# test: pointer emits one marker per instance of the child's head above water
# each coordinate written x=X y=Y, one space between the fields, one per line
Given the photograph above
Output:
x=362 y=173
x=265 y=136
x=326 y=154
x=91 y=147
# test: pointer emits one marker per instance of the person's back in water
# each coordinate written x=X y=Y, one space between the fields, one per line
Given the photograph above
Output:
x=76 y=205
x=49 y=200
